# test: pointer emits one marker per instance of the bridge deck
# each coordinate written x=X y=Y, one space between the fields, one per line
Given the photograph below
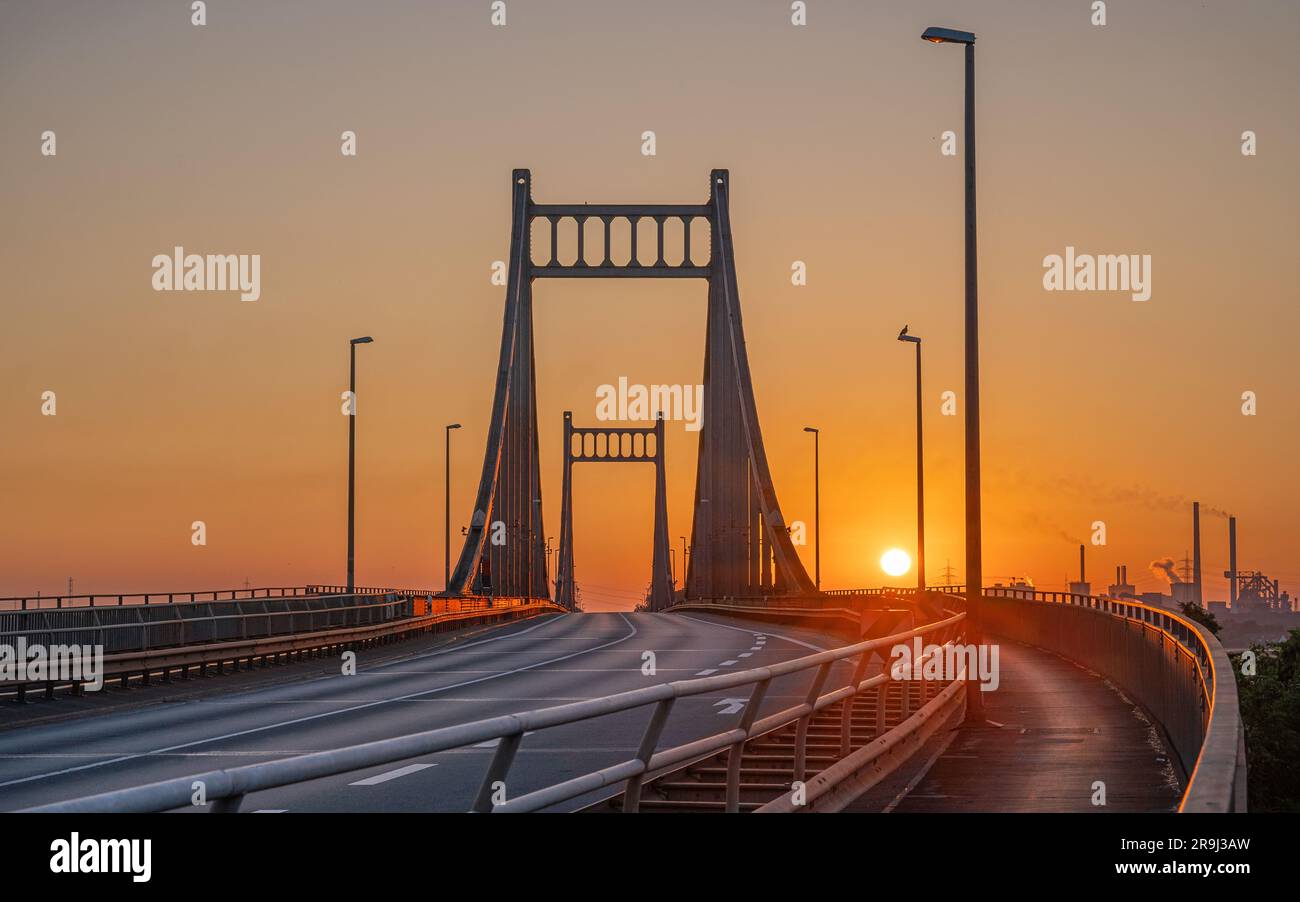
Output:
x=1063 y=728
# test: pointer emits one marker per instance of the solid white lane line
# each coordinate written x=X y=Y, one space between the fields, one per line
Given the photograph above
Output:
x=754 y=633
x=311 y=717
x=392 y=774
x=546 y=619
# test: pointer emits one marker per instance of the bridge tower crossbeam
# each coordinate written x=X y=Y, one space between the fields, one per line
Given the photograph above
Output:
x=740 y=545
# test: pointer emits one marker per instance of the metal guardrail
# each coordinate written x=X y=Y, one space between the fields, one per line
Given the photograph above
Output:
x=227 y=788
x=1172 y=665
x=120 y=599
x=139 y=641
x=895 y=590
x=141 y=628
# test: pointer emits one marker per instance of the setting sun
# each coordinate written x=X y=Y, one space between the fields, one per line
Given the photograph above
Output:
x=895 y=562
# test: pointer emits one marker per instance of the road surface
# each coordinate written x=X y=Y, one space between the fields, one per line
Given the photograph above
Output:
x=516 y=667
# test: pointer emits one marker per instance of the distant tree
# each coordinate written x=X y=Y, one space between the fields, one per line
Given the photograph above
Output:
x=1270 y=709
x=1205 y=618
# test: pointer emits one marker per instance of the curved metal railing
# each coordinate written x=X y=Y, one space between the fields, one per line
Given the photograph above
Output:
x=1174 y=666
x=227 y=788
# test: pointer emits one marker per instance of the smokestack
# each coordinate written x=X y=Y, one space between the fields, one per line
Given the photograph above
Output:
x=1196 y=553
x=1082 y=576
x=1232 y=561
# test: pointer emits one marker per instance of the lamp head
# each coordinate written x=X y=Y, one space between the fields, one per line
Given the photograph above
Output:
x=363 y=340
x=903 y=336
x=453 y=425
x=810 y=429
x=937 y=35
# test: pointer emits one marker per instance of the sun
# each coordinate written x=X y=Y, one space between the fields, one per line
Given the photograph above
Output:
x=895 y=562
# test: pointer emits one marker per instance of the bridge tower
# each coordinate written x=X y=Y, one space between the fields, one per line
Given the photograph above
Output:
x=738 y=536
x=615 y=445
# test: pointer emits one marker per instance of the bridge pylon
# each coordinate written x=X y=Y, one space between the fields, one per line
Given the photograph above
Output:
x=740 y=544
x=615 y=445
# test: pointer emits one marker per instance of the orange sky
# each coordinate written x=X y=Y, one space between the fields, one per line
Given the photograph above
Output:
x=175 y=407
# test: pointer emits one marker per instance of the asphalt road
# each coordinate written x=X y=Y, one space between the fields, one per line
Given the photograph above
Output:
x=516 y=667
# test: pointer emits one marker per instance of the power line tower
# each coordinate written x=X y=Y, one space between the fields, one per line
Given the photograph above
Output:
x=948 y=573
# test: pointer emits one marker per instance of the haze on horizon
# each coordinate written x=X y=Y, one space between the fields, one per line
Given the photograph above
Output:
x=183 y=406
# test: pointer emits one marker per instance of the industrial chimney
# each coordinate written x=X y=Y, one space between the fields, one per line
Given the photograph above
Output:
x=1081 y=587
x=1232 y=561
x=1197 y=591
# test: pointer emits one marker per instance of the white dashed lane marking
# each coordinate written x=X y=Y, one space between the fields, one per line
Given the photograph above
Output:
x=392 y=775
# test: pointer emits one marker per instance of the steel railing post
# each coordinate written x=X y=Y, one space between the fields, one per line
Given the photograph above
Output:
x=738 y=749
x=846 y=707
x=881 y=693
x=650 y=739
x=497 y=770
x=801 y=731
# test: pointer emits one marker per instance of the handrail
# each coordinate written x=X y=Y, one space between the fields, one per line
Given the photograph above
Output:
x=1214 y=782
x=118 y=599
x=227 y=787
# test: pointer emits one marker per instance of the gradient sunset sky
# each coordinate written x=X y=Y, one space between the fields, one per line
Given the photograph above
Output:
x=183 y=406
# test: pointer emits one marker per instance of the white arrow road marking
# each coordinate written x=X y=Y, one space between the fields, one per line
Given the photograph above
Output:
x=392 y=775
x=732 y=705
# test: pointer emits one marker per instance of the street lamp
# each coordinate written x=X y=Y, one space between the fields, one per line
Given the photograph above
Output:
x=684 y=570
x=352 y=455
x=528 y=554
x=974 y=550
x=920 y=467
x=817 y=504
x=446 y=516
x=548 y=558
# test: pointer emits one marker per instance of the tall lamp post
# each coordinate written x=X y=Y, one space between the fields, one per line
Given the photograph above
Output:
x=920 y=466
x=817 y=503
x=352 y=456
x=974 y=550
x=528 y=556
x=684 y=570
x=446 y=514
